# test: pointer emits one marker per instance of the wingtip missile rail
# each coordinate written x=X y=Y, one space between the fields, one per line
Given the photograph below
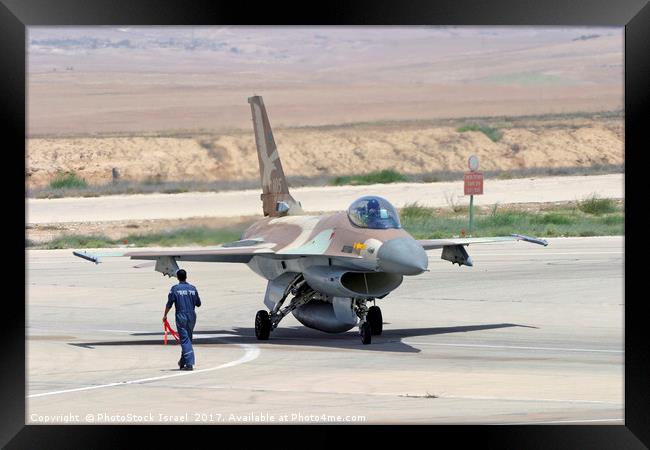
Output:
x=533 y=240
x=86 y=256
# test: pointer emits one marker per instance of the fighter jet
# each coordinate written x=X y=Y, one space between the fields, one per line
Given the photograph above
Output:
x=323 y=269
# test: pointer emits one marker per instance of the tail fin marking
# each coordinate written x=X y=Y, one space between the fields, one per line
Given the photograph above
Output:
x=274 y=184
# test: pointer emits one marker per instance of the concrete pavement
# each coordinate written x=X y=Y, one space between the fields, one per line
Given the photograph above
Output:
x=528 y=335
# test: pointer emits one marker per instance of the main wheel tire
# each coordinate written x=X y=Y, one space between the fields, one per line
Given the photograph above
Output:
x=262 y=325
x=366 y=333
x=375 y=319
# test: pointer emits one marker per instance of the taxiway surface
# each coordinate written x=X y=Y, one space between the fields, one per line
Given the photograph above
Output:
x=528 y=335
x=326 y=199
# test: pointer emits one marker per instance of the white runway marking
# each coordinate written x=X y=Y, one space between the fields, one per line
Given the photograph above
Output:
x=251 y=353
x=515 y=347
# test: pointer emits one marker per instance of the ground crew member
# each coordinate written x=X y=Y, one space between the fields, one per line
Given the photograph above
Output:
x=185 y=297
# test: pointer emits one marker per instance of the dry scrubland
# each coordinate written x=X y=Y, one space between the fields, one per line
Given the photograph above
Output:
x=169 y=104
x=409 y=147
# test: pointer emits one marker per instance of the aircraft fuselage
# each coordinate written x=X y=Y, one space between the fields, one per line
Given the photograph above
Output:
x=300 y=242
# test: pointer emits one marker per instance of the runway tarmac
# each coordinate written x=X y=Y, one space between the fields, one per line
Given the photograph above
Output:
x=529 y=334
x=329 y=198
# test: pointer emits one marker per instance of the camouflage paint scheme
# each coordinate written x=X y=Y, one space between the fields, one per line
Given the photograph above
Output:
x=330 y=265
x=274 y=183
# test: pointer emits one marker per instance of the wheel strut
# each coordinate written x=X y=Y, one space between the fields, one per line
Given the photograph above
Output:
x=365 y=330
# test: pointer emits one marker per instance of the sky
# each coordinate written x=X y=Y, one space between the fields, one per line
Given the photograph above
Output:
x=322 y=52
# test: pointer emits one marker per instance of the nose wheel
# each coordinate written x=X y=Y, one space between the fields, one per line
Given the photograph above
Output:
x=376 y=320
x=371 y=321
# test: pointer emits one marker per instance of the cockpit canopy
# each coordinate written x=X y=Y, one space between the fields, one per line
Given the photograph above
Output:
x=373 y=212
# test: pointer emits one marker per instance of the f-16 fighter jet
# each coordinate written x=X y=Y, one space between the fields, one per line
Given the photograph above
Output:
x=325 y=269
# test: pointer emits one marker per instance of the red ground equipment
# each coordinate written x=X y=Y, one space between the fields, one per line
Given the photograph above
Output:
x=169 y=330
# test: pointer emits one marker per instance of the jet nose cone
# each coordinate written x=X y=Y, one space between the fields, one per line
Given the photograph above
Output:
x=403 y=256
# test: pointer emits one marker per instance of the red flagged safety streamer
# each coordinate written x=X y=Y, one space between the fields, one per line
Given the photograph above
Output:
x=169 y=330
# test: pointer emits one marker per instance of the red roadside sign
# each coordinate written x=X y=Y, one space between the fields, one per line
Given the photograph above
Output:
x=473 y=183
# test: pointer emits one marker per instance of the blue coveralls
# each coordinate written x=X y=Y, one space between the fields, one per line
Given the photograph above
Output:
x=186 y=297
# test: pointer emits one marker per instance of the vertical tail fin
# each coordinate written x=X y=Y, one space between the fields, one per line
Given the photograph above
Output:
x=276 y=200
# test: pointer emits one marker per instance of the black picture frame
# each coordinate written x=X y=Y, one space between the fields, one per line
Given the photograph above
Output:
x=634 y=15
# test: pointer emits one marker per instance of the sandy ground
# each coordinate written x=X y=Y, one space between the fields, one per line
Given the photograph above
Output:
x=317 y=76
x=528 y=335
x=170 y=104
x=409 y=148
x=325 y=199
x=133 y=103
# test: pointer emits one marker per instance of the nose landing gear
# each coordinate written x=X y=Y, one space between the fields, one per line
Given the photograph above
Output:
x=366 y=333
x=375 y=319
x=371 y=321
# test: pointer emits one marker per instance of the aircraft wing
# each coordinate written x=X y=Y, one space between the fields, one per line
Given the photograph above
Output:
x=431 y=244
x=236 y=252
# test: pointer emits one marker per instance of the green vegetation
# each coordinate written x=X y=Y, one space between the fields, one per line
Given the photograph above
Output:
x=152 y=184
x=423 y=223
x=178 y=237
x=383 y=176
x=597 y=206
x=185 y=236
x=415 y=212
x=493 y=133
x=552 y=218
x=67 y=180
x=153 y=180
x=80 y=241
x=565 y=220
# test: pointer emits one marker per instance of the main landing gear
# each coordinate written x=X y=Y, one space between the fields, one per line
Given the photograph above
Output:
x=370 y=318
x=266 y=322
x=262 y=325
x=371 y=321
